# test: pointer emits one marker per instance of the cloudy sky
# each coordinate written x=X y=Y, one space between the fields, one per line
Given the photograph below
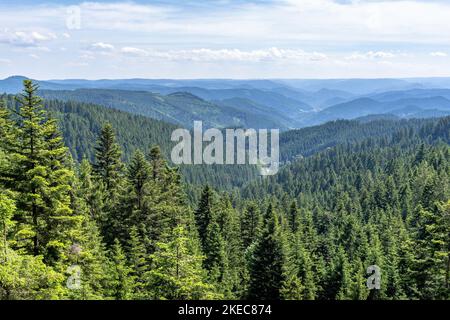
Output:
x=224 y=39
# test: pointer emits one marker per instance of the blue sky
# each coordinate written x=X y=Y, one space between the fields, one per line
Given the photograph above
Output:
x=224 y=39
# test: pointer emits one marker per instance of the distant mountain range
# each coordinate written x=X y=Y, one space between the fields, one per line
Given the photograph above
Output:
x=278 y=103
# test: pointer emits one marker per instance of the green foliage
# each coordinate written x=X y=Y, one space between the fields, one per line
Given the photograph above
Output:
x=176 y=271
x=267 y=261
x=349 y=195
x=121 y=283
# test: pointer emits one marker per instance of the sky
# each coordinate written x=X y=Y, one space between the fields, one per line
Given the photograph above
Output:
x=224 y=39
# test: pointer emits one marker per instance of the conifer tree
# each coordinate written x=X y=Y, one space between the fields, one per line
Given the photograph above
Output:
x=157 y=163
x=89 y=253
x=204 y=213
x=176 y=271
x=108 y=166
x=7 y=129
x=7 y=209
x=267 y=261
x=139 y=262
x=250 y=224
x=215 y=255
x=43 y=180
x=228 y=219
x=138 y=176
x=121 y=282
x=108 y=172
x=293 y=217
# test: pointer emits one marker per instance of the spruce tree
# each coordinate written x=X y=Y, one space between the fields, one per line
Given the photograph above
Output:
x=215 y=255
x=108 y=166
x=157 y=163
x=267 y=261
x=176 y=271
x=108 y=173
x=43 y=180
x=139 y=262
x=121 y=282
x=293 y=217
x=204 y=213
x=138 y=176
x=250 y=224
x=7 y=210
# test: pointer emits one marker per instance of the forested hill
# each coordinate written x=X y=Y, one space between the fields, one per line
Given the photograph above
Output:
x=383 y=201
x=373 y=153
x=82 y=122
x=181 y=108
x=309 y=232
x=307 y=141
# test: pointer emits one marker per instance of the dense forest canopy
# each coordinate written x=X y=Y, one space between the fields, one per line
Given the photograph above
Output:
x=90 y=208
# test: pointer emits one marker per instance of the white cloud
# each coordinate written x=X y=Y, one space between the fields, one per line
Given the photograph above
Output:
x=438 y=54
x=134 y=51
x=373 y=55
x=101 y=46
x=280 y=38
x=78 y=64
x=41 y=37
x=284 y=20
x=24 y=38
x=41 y=48
x=237 y=55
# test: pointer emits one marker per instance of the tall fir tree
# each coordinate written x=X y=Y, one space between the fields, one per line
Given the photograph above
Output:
x=267 y=261
x=176 y=271
x=43 y=180
x=204 y=213
x=250 y=224
x=108 y=170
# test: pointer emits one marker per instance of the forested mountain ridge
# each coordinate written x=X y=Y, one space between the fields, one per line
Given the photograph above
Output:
x=81 y=123
x=180 y=108
x=309 y=232
x=405 y=108
x=258 y=110
x=383 y=201
x=283 y=104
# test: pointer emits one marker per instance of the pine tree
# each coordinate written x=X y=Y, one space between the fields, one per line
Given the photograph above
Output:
x=90 y=191
x=138 y=262
x=176 y=271
x=267 y=262
x=215 y=255
x=293 y=217
x=7 y=129
x=43 y=180
x=157 y=163
x=204 y=213
x=431 y=254
x=250 y=224
x=121 y=282
x=7 y=209
x=138 y=176
x=108 y=166
x=108 y=172
x=228 y=220
x=343 y=278
x=89 y=253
